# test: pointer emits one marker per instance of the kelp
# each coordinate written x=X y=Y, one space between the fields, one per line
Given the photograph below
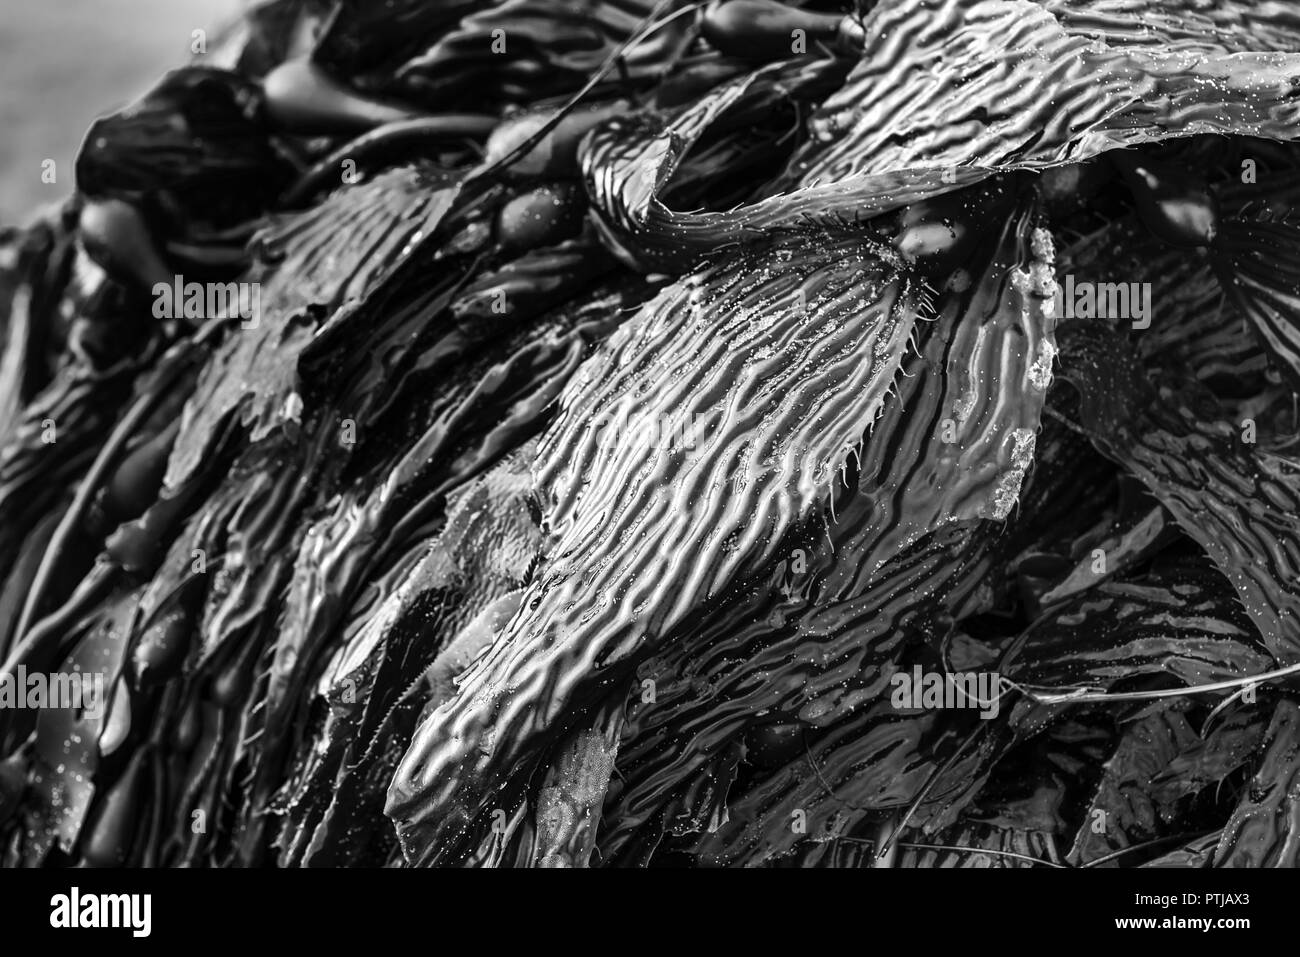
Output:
x=1237 y=503
x=306 y=267
x=586 y=491
x=195 y=151
x=788 y=377
x=522 y=50
x=1006 y=85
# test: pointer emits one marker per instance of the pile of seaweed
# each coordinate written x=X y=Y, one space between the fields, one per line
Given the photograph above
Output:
x=534 y=434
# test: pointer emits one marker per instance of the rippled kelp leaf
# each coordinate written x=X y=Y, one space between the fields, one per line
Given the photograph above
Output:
x=360 y=542
x=1002 y=84
x=629 y=161
x=1134 y=540
x=245 y=528
x=1191 y=323
x=308 y=265
x=487 y=549
x=1241 y=505
x=776 y=674
x=1256 y=259
x=818 y=634
x=1169 y=25
x=1038 y=784
x=877 y=759
x=434 y=413
x=981 y=846
x=990 y=369
x=1123 y=812
x=1210 y=759
x=486 y=408
x=1264 y=830
x=1183 y=619
x=760 y=374
x=523 y=50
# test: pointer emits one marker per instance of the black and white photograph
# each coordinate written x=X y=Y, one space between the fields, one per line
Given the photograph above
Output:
x=650 y=434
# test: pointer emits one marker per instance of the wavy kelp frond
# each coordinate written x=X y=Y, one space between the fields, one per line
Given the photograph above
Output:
x=486 y=550
x=628 y=162
x=753 y=380
x=1003 y=84
x=363 y=541
x=308 y=265
x=524 y=50
x=604 y=504
x=1237 y=503
x=982 y=847
x=1182 y=620
x=1182 y=25
x=1129 y=542
x=830 y=621
x=877 y=760
x=1262 y=830
x=1123 y=812
x=1257 y=267
x=772 y=683
x=993 y=374
x=1209 y=760
x=1198 y=312
x=490 y=408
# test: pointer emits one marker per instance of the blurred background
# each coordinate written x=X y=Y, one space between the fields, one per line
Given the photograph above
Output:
x=64 y=62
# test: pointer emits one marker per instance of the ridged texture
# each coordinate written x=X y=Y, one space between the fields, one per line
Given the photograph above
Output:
x=1264 y=830
x=1240 y=505
x=1000 y=83
x=1193 y=324
x=531 y=49
x=774 y=367
x=1165 y=25
x=1182 y=620
x=1256 y=260
x=308 y=265
x=1123 y=811
x=333 y=805
x=1208 y=760
x=826 y=626
x=366 y=540
x=344 y=546
x=552 y=598
x=628 y=162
